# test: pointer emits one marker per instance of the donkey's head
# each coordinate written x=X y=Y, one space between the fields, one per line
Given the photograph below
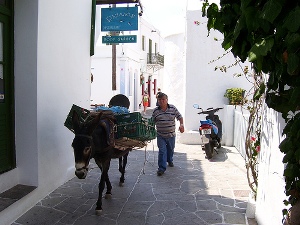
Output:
x=83 y=142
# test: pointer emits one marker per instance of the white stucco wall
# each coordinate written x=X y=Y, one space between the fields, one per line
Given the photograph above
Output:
x=241 y=121
x=271 y=184
x=192 y=69
x=206 y=86
x=174 y=80
x=52 y=71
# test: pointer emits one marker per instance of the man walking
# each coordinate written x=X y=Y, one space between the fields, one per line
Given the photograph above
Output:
x=164 y=117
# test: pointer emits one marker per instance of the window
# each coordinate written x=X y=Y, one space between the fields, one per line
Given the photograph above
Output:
x=7 y=151
x=150 y=46
x=143 y=43
x=92 y=37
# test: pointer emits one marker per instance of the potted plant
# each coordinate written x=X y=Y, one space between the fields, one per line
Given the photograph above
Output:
x=235 y=96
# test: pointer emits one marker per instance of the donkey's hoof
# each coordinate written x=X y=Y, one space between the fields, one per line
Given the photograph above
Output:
x=107 y=196
x=121 y=184
x=98 y=212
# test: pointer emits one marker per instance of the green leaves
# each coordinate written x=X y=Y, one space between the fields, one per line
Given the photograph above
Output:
x=260 y=48
x=285 y=145
x=293 y=63
x=288 y=156
x=252 y=19
x=271 y=10
x=212 y=15
x=292 y=22
x=293 y=42
x=259 y=92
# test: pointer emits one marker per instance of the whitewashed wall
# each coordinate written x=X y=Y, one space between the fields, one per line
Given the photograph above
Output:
x=52 y=71
x=204 y=85
x=241 y=121
x=270 y=194
x=174 y=79
x=271 y=182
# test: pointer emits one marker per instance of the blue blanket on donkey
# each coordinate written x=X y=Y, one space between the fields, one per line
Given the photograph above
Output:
x=115 y=109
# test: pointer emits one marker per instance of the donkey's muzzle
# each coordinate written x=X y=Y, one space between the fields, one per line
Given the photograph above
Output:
x=81 y=173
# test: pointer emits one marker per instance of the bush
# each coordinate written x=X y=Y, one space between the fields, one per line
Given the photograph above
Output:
x=235 y=96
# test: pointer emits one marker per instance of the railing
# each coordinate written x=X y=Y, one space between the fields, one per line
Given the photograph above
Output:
x=155 y=58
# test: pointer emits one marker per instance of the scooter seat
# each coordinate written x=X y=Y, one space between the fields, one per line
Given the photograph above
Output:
x=210 y=122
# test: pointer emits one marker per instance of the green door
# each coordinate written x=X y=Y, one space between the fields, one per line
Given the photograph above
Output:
x=7 y=159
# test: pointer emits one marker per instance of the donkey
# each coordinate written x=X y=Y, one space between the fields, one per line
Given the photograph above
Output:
x=90 y=141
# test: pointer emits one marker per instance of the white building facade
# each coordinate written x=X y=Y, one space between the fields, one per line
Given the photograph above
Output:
x=136 y=66
x=49 y=71
x=191 y=59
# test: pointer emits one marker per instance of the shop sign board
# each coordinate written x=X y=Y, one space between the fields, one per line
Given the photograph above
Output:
x=119 y=39
x=119 y=19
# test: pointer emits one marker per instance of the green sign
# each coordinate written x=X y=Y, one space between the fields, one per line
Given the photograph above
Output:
x=119 y=39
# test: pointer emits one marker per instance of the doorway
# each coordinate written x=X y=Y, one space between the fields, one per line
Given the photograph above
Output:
x=7 y=151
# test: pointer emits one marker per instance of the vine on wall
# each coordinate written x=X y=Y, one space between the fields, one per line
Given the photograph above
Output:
x=252 y=143
x=267 y=33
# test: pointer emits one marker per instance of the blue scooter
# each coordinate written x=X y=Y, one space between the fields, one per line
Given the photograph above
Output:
x=211 y=128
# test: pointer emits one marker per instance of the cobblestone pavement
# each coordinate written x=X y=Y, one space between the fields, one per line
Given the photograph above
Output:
x=194 y=191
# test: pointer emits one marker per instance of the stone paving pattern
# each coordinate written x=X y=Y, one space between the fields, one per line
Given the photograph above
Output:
x=194 y=191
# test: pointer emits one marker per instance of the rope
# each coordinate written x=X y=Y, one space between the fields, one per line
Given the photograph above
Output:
x=153 y=152
x=145 y=160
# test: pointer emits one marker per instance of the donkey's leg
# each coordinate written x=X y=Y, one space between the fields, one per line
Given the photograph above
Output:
x=122 y=166
x=104 y=166
x=108 y=187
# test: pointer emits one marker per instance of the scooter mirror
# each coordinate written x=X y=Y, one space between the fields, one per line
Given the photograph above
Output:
x=196 y=106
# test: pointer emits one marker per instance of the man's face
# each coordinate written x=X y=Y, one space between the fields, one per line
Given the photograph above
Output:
x=163 y=101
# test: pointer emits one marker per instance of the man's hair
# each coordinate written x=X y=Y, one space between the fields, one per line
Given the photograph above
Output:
x=161 y=95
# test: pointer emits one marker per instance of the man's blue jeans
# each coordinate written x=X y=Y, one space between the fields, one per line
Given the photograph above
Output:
x=166 y=151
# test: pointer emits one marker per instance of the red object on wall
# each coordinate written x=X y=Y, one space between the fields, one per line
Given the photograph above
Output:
x=154 y=87
x=149 y=90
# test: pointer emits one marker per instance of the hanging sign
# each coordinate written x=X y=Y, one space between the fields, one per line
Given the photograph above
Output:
x=119 y=19
x=119 y=39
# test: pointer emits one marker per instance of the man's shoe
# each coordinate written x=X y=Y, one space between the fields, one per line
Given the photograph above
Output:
x=160 y=172
x=171 y=164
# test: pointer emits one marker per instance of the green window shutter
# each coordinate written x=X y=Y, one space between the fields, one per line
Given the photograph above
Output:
x=93 y=18
x=7 y=150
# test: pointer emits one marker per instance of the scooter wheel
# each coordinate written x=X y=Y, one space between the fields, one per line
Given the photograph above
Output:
x=208 y=150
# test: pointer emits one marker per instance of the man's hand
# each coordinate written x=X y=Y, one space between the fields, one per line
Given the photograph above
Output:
x=181 y=128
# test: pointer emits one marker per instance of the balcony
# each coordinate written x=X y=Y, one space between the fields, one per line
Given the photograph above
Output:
x=155 y=61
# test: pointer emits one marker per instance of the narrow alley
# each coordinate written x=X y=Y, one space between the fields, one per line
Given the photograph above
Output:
x=194 y=191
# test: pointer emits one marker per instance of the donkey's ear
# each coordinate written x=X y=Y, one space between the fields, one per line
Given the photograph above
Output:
x=94 y=123
x=75 y=120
